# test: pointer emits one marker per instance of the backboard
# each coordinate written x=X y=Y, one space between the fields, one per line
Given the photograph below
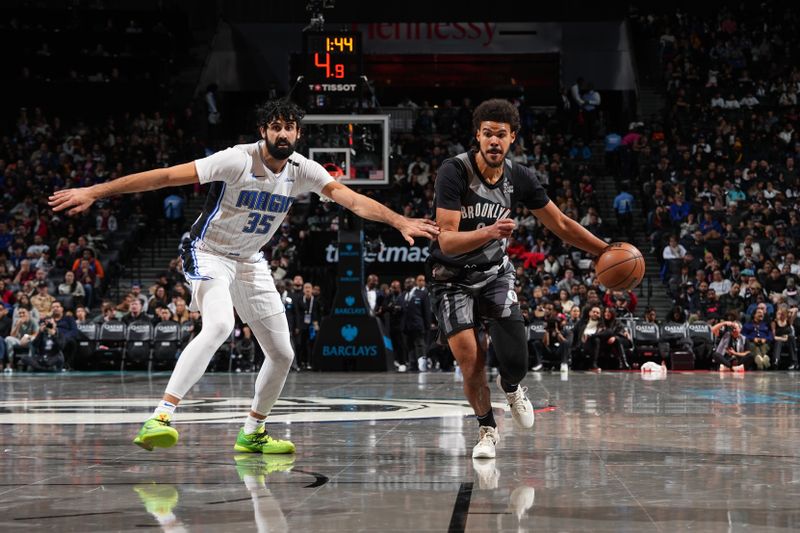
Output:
x=353 y=148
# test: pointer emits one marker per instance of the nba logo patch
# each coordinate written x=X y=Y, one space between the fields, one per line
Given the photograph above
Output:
x=508 y=187
x=512 y=296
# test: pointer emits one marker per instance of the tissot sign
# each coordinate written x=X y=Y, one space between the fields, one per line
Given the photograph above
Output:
x=460 y=37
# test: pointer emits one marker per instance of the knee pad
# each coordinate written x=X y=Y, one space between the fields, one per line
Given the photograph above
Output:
x=511 y=348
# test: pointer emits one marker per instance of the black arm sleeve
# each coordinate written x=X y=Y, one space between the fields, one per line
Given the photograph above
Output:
x=528 y=189
x=450 y=185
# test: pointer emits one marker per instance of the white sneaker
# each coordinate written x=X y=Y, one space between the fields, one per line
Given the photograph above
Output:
x=564 y=367
x=738 y=368
x=422 y=364
x=402 y=368
x=520 y=405
x=487 y=473
x=486 y=443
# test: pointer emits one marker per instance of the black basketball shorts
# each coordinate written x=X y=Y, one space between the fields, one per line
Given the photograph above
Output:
x=472 y=297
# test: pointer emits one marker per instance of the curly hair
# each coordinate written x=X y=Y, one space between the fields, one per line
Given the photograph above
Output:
x=275 y=109
x=496 y=110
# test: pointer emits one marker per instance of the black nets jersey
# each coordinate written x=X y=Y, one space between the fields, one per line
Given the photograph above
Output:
x=461 y=187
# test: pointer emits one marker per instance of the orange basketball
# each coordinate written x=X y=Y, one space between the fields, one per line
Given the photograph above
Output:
x=620 y=267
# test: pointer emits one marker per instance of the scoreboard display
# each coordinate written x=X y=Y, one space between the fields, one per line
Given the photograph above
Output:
x=332 y=60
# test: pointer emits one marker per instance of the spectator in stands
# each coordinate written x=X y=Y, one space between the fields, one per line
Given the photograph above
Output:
x=81 y=316
x=393 y=313
x=759 y=336
x=709 y=306
x=22 y=334
x=308 y=321
x=731 y=302
x=25 y=273
x=584 y=333
x=623 y=207
x=136 y=292
x=783 y=335
x=159 y=298
x=68 y=331
x=416 y=321
x=135 y=312
x=72 y=289
x=107 y=313
x=42 y=300
x=372 y=292
x=181 y=312
x=719 y=284
x=86 y=277
x=163 y=314
x=568 y=281
x=5 y=331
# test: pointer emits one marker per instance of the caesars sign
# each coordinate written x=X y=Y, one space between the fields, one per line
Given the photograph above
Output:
x=394 y=256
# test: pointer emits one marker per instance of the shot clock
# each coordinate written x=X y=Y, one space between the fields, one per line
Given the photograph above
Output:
x=332 y=59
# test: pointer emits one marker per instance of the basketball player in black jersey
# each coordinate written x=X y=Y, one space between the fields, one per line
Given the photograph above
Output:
x=472 y=277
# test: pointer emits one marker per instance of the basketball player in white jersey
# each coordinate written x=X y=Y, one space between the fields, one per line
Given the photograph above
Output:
x=252 y=188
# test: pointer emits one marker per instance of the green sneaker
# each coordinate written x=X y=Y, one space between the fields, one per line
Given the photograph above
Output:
x=260 y=466
x=157 y=499
x=261 y=442
x=156 y=433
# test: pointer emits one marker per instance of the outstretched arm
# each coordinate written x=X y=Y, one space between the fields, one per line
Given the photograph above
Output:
x=368 y=208
x=568 y=230
x=79 y=200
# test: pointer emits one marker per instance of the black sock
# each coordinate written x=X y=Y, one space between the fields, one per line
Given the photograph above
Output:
x=507 y=387
x=487 y=419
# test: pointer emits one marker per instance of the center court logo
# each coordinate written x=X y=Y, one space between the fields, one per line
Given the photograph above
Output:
x=227 y=410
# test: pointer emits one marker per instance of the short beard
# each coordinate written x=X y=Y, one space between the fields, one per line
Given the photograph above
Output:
x=279 y=152
x=489 y=163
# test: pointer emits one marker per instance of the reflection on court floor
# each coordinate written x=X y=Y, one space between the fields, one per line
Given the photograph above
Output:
x=617 y=452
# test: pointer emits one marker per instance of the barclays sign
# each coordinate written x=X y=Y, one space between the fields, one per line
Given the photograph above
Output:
x=349 y=333
x=351 y=308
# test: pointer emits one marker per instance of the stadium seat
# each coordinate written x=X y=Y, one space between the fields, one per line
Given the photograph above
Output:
x=111 y=341
x=702 y=343
x=646 y=337
x=87 y=344
x=137 y=346
x=186 y=333
x=166 y=342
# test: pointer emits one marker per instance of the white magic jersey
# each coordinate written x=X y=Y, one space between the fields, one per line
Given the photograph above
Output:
x=247 y=202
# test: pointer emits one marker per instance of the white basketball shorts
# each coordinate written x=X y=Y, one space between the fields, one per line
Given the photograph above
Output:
x=252 y=288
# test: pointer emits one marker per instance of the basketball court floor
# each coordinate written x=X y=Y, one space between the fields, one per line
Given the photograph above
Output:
x=391 y=452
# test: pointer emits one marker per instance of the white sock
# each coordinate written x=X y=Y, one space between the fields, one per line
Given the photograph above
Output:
x=164 y=407
x=252 y=424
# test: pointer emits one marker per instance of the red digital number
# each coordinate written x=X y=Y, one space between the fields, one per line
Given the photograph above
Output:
x=326 y=64
x=338 y=70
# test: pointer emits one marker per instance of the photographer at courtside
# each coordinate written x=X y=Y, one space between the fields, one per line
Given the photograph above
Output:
x=730 y=351
x=47 y=355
